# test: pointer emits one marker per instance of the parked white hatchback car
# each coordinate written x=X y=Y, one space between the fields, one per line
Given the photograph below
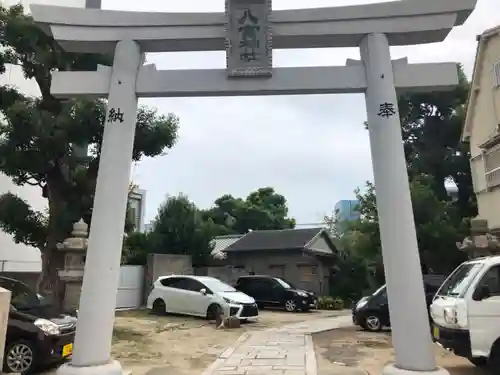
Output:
x=199 y=296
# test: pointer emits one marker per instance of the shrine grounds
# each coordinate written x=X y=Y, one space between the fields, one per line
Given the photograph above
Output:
x=147 y=344
x=346 y=351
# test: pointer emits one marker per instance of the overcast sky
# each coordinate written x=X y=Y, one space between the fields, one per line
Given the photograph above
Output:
x=312 y=149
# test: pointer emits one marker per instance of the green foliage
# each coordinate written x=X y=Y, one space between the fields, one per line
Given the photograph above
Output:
x=27 y=226
x=135 y=249
x=179 y=229
x=438 y=226
x=263 y=209
x=331 y=303
x=353 y=271
x=38 y=137
x=431 y=126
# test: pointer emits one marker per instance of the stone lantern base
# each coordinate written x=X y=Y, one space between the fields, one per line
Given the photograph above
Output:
x=74 y=249
x=72 y=291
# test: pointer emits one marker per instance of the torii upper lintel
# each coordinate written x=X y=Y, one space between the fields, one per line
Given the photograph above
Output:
x=404 y=22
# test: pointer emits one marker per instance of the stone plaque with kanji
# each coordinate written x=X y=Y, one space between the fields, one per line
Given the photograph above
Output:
x=248 y=38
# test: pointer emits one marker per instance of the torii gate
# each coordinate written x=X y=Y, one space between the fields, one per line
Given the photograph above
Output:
x=248 y=31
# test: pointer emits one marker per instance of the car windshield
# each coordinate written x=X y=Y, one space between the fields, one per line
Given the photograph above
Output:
x=217 y=286
x=379 y=290
x=22 y=297
x=283 y=283
x=292 y=286
x=459 y=281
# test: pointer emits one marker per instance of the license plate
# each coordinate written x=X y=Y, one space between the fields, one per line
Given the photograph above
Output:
x=435 y=333
x=67 y=350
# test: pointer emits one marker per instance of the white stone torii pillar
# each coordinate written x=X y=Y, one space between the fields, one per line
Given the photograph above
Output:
x=394 y=23
x=408 y=312
x=102 y=266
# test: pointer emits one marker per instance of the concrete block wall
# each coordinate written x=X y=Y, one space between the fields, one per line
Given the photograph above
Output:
x=227 y=274
x=164 y=265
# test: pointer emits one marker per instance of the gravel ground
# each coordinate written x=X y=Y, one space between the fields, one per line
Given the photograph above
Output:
x=146 y=343
x=155 y=345
x=352 y=351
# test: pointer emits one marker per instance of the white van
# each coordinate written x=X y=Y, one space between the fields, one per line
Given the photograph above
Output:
x=466 y=312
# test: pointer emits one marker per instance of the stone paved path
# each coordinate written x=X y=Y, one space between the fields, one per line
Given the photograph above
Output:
x=288 y=350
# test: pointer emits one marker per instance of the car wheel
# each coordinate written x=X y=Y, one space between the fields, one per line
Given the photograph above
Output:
x=290 y=305
x=372 y=323
x=478 y=361
x=213 y=311
x=494 y=360
x=159 y=307
x=20 y=357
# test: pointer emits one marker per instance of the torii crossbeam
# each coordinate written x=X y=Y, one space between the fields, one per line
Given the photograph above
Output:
x=349 y=79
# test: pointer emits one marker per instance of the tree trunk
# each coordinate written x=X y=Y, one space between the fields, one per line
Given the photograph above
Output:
x=440 y=186
x=49 y=283
x=466 y=196
x=52 y=259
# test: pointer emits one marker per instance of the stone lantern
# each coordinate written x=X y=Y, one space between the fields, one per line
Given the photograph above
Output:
x=481 y=243
x=75 y=249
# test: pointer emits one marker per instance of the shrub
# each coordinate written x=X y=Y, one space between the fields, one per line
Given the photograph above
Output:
x=338 y=303
x=330 y=303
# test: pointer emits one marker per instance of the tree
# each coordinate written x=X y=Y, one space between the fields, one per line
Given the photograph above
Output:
x=352 y=273
x=37 y=137
x=437 y=228
x=136 y=249
x=179 y=229
x=432 y=125
x=263 y=209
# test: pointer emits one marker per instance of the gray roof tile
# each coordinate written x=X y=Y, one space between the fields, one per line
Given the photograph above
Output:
x=275 y=239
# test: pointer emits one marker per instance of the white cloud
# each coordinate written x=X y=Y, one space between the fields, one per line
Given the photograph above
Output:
x=312 y=149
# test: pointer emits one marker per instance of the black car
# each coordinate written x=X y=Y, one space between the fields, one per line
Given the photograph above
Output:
x=275 y=292
x=372 y=312
x=36 y=334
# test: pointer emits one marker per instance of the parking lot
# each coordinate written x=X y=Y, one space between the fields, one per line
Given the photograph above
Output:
x=146 y=343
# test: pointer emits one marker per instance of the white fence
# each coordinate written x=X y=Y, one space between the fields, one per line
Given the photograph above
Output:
x=20 y=266
x=130 y=293
x=131 y=287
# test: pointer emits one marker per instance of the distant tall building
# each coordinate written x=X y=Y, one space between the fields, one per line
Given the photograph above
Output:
x=149 y=227
x=137 y=208
x=346 y=210
x=452 y=191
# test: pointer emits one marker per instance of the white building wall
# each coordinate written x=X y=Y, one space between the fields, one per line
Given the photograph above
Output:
x=21 y=257
x=66 y=3
x=137 y=206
